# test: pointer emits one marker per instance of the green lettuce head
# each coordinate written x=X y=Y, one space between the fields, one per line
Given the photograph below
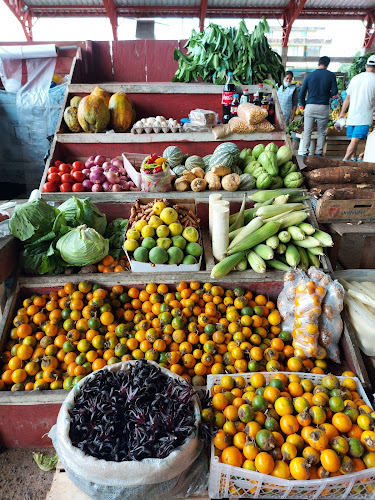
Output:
x=82 y=246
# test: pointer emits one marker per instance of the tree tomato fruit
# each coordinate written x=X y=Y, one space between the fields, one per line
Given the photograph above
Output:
x=53 y=170
x=77 y=187
x=58 y=163
x=64 y=168
x=65 y=187
x=78 y=176
x=78 y=165
x=49 y=187
x=54 y=178
x=67 y=178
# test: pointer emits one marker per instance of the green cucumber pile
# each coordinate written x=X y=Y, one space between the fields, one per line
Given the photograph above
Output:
x=273 y=234
x=216 y=50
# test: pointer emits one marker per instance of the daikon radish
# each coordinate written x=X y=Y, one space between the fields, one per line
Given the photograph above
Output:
x=220 y=231
x=365 y=299
x=211 y=201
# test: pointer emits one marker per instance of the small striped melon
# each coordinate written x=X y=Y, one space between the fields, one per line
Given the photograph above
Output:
x=173 y=155
x=184 y=159
x=178 y=170
x=236 y=170
x=194 y=161
x=247 y=182
x=229 y=147
x=222 y=158
x=206 y=160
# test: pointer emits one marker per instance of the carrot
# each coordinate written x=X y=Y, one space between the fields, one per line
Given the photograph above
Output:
x=349 y=194
x=339 y=175
x=322 y=188
x=314 y=162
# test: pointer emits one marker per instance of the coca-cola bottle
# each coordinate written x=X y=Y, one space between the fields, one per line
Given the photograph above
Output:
x=227 y=97
x=271 y=111
x=234 y=106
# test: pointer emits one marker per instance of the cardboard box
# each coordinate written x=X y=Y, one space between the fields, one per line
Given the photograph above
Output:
x=345 y=210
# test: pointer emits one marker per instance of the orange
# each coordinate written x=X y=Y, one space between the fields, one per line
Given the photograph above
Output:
x=264 y=463
x=232 y=456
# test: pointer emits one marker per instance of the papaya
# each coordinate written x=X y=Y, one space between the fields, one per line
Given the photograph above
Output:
x=103 y=94
x=93 y=114
x=71 y=119
x=121 y=111
x=74 y=101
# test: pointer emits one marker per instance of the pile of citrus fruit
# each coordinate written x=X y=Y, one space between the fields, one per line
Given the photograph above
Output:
x=291 y=428
x=195 y=330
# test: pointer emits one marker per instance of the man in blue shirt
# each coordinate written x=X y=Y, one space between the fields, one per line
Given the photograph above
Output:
x=320 y=86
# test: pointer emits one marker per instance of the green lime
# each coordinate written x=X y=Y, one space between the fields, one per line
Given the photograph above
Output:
x=190 y=260
x=148 y=243
x=193 y=249
x=141 y=254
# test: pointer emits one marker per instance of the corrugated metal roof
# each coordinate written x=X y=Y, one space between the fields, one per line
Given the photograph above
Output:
x=340 y=4
x=158 y=3
x=57 y=3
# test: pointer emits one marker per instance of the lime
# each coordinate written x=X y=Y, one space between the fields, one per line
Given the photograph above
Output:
x=179 y=241
x=162 y=231
x=158 y=207
x=164 y=243
x=168 y=215
x=176 y=255
x=155 y=221
x=190 y=234
x=141 y=254
x=140 y=224
x=190 y=260
x=148 y=243
x=158 y=255
x=193 y=249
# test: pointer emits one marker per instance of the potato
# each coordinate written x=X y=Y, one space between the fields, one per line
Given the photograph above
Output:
x=231 y=182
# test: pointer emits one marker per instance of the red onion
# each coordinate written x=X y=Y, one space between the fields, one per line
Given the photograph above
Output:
x=97 y=176
x=96 y=188
x=86 y=171
x=125 y=185
x=107 y=165
x=131 y=184
x=116 y=188
x=117 y=163
x=112 y=177
x=99 y=160
x=106 y=186
x=87 y=184
x=89 y=164
x=91 y=158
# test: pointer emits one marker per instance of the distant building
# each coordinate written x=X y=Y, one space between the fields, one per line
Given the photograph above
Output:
x=303 y=42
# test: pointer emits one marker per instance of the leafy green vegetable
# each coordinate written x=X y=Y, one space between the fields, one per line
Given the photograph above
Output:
x=115 y=233
x=32 y=220
x=45 y=463
x=82 y=246
x=78 y=212
x=216 y=50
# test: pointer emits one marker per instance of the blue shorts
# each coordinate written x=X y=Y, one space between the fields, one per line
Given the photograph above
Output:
x=358 y=131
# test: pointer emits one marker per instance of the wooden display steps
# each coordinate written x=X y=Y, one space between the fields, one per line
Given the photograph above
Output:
x=63 y=489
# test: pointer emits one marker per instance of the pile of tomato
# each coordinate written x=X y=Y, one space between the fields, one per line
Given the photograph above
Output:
x=60 y=337
x=291 y=428
x=65 y=177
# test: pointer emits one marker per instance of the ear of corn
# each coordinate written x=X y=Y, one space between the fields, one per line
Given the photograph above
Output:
x=296 y=233
x=284 y=236
x=233 y=234
x=324 y=238
x=273 y=242
x=250 y=228
x=247 y=213
x=297 y=199
x=282 y=259
x=313 y=259
x=307 y=228
x=281 y=200
x=281 y=248
x=260 y=235
x=226 y=265
x=308 y=242
x=304 y=261
x=264 y=251
x=256 y=262
x=273 y=193
x=239 y=222
x=272 y=210
x=242 y=265
x=265 y=203
x=279 y=217
x=293 y=219
x=292 y=255
x=316 y=250
x=277 y=264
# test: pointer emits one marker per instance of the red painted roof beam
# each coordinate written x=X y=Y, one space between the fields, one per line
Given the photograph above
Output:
x=291 y=12
x=370 y=30
x=23 y=14
x=203 y=13
x=111 y=11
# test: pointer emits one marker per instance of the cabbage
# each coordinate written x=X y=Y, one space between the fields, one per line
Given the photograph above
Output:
x=78 y=212
x=82 y=246
x=32 y=220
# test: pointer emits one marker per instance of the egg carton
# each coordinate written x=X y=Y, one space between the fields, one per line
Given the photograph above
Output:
x=156 y=125
x=156 y=130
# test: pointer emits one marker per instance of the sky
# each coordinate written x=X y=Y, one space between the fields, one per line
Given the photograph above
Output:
x=50 y=29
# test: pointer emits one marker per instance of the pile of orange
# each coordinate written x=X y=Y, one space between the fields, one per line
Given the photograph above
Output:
x=111 y=265
x=195 y=330
x=291 y=428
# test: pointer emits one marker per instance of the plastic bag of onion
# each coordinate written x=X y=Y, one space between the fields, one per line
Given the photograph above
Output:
x=100 y=432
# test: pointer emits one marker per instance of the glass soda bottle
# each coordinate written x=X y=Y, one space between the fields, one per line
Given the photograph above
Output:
x=234 y=106
x=256 y=100
x=260 y=91
x=227 y=97
x=245 y=96
x=271 y=111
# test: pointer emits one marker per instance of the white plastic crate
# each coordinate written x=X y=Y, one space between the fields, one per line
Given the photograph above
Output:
x=234 y=482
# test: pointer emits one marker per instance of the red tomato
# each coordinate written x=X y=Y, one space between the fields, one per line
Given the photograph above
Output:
x=67 y=178
x=64 y=168
x=54 y=178
x=78 y=176
x=49 y=187
x=78 y=165
x=58 y=163
x=77 y=187
x=53 y=170
x=65 y=187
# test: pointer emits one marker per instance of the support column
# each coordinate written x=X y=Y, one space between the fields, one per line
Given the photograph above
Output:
x=370 y=33
x=110 y=8
x=284 y=55
x=202 y=14
x=290 y=14
x=22 y=13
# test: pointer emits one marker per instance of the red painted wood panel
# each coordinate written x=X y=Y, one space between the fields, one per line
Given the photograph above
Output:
x=160 y=64
x=101 y=60
x=129 y=61
x=25 y=426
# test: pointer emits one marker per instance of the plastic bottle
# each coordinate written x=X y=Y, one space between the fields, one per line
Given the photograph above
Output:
x=256 y=100
x=227 y=97
x=234 y=106
x=260 y=91
x=271 y=111
x=245 y=96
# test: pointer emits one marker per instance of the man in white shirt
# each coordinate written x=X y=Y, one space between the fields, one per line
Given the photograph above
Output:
x=361 y=97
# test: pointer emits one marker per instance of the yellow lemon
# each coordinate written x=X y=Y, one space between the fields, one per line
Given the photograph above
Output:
x=158 y=207
x=175 y=228
x=168 y=215
x=130 y=245
x=133 y=234
x=155 y=221
x=140 y=224
x=162 y=231
x=147 y=231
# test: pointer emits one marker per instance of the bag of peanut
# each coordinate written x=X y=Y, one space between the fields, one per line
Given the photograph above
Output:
x=264 y=126
x=250 y=113
x=239 y=126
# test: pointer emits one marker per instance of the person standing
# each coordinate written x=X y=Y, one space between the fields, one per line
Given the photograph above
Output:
x=320 y=86
x=287 y=94
x=360 y=99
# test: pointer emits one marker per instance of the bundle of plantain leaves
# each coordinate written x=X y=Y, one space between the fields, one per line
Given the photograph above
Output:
x=216 y=50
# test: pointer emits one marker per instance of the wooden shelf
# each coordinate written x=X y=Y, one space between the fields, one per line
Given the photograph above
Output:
x=113 y=138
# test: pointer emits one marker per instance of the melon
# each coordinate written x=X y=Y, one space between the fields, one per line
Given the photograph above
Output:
x=121 y=111
x=236 y=169
x=206 y=160
x=194 y=161
x=93 y=114
x=173 y=155
x=222 y=158
x=178 y=170
x=229 y=147
x=103 y=94
x=247 y=182
x=71 y=119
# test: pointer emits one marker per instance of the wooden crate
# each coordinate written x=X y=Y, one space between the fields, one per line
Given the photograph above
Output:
x=328 y=211
x=337 y=145
x=27 y=417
